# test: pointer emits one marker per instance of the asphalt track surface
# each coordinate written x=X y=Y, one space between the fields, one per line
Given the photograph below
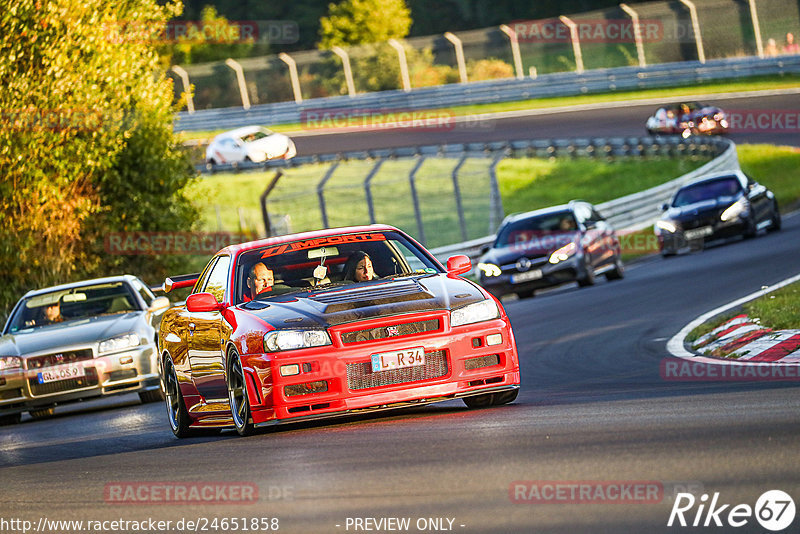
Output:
x=595 y=405
x=621 y=120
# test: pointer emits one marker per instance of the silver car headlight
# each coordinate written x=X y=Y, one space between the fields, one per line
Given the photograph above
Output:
x=10 y=362
x=735 y=210
x=279 y=340
x=119 y=343
x=486 y=310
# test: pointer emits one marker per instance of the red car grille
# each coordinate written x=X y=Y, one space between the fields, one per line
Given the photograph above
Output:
x=49 y=360
x=482 y=361
x=383 y=332
x=360 y=375
x=64 y=385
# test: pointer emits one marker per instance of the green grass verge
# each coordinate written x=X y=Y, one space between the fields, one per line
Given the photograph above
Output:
x=707 y=327
x=528 y=184
x=720 y=86
x=777 y=168
x=780 y=310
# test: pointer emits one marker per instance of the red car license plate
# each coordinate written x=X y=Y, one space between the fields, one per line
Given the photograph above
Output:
x=397 y=359
x=60 y=372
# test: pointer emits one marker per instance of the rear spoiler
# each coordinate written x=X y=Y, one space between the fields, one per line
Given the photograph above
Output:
x=179 y=281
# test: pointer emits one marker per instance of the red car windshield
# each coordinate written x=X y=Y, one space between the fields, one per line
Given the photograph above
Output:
x=328 y=262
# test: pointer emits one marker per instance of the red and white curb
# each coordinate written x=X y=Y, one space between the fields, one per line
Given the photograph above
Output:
x=744 y=339
x=754 y=344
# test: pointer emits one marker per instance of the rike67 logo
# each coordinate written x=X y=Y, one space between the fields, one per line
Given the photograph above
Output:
x=774 y=511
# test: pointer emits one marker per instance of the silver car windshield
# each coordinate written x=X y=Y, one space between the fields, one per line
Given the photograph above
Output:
x=74 y=303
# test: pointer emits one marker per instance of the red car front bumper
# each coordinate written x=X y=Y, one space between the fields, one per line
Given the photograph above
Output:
x=338 y=380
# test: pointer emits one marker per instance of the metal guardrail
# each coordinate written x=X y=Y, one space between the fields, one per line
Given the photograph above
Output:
x=638 y=210
x=506 y=90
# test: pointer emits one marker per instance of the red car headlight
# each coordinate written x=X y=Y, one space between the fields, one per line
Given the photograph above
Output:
x=279 y=340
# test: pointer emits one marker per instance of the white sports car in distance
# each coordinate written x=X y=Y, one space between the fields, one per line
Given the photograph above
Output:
x=249 y=143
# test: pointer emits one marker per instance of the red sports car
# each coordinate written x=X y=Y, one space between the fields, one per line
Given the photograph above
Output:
x=329 y=323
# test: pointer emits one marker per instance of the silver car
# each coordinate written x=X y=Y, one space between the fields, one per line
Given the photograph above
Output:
x=76 y=341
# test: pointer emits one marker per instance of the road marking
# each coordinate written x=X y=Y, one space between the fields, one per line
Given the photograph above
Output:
x=675 y=344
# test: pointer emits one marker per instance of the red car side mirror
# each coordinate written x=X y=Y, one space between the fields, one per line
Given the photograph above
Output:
x=459 y=264
x=202 y=302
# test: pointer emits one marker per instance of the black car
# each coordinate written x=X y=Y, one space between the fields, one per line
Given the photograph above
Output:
x=549 y=247
x=714 y=207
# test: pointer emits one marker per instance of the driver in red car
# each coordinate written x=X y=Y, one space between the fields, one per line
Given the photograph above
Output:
x=260 y=280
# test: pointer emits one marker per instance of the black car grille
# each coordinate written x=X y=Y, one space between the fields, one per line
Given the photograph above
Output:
x=360 y=375
x=383 y=332
x=59 y=386
x=689 y=221
x=59 y=358
x=535 y=264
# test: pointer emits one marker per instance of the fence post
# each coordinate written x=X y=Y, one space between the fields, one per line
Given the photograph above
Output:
x=237 y=68
x=512 y=37
x=321 y=193
x=698 y=38
x=187 y=89
x=576 y=42
x=401 y=57
x=292 y=64
x=368 y=189
x=415 y=200
x=348 y=72
x=756 y=28
x=637 y=33
x=457 y=192
x=263 y=200
x=495 y=201
x=459 y=47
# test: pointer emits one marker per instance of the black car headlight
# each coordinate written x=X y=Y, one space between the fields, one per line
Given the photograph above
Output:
x=739 y=208
x=485 y=310
x=564 y=253
x=489 y=269
x=666 y=226
x=279 y=340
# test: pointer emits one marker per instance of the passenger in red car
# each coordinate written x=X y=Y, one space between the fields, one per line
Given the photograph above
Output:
x=359 y=268
x=260 y=280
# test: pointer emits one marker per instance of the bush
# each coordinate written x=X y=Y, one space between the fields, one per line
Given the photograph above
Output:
x=86 y=145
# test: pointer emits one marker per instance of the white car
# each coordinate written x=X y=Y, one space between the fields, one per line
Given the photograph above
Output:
x=250 y=143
